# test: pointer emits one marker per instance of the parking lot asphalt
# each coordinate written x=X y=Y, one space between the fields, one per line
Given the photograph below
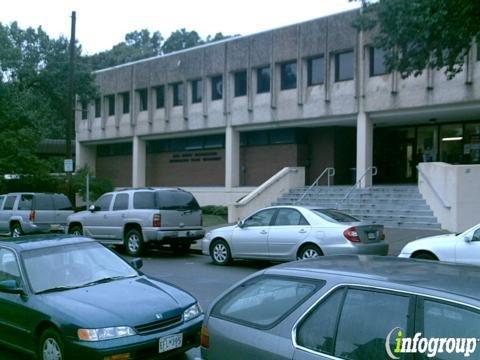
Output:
x=196 y=273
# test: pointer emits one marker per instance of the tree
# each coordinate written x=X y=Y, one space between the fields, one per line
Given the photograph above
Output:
x=34 y=95
x=138 y=45
x=420 y=34
x=97 y=186
x=181 y=39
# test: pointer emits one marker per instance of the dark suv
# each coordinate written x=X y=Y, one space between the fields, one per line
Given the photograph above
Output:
x=139 y=217
x=27 y=213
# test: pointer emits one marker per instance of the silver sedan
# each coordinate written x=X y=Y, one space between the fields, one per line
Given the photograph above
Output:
x=286 y=233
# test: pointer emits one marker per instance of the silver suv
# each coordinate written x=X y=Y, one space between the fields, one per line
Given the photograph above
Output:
x=28 y=213
x=136 y=218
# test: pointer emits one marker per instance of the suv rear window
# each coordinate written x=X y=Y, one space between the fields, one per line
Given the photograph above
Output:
x=176 y=200
x=61 y=202
x=43 y=202
x=164 y=200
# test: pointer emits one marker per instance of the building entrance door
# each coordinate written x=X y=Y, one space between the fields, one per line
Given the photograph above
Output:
x=395 y=155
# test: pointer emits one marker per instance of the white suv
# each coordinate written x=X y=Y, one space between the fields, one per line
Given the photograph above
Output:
x=136 y=218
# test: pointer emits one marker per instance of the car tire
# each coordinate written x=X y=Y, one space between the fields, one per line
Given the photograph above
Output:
x=308 y=252
x=16 y=230
x=133 y=242
x=50 y=346
x=76 y=230
x=425 y=256
x=220 y=252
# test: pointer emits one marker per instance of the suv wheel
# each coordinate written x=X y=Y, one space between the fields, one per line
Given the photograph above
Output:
x=133 y=242
x=76 y=230
x=16 y=230
x=220 y=253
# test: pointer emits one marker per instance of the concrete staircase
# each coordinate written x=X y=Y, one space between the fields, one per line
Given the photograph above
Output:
x=399 y=206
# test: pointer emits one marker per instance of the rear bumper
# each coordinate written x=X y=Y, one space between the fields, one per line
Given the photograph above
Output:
x=380 y=248
x=172 y=235
x=138 y=346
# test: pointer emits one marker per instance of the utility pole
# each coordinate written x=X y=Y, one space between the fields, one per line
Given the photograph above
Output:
x=70 y=118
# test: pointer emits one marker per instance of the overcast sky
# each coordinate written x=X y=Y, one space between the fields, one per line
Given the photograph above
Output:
x=103 y=23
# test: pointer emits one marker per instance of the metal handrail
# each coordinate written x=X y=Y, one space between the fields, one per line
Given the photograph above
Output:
x=427 y=180
x=330 y=171
x=374 y=171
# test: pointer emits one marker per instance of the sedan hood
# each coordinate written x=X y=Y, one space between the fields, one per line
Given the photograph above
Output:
x=129 y=302
x=427 y=242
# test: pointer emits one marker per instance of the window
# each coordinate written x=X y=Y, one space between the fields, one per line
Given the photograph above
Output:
x=43 y=202
x=143 y=97
x=177 y=94
x=217 y=87
x=344 y=66
x=8 y=266
x=334 y=216
x=1 y=200
x=111 y=105
x=104 y=202
x=61 y=202
x=84 y=110
x=289 y=217
x=121 y=202
x=264 y=300
x=263 y=80
x=240 y=78
x=366 y=319
x=9 y=202
x=25 y=202
x=377 y=62
x=175 y=200
x=288 y=75
x=261 y=218
x=197 y=91
x=160 y=97
x=143 y=200
x=478 y=48
x=445 y=321
x=126 y=102
x=317 y=330
x=315 y=71
x=98 y=108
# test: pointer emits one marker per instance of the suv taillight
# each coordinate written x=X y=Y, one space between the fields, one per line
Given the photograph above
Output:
x=204 y=338
x=32 y=215
x=157 y=220
x=351 y=234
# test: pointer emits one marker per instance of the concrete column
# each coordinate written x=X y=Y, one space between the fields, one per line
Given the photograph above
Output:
x=232 y=157
x=139 y=158
x=85 y=156
x=364 y=148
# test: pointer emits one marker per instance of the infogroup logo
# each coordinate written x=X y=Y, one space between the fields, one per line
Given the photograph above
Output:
x=428 y=346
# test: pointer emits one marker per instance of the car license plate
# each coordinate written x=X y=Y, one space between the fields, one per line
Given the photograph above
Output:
x=170 y=342
x=371 y=236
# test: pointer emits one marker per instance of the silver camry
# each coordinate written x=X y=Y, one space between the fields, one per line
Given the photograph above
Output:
x=286 y=233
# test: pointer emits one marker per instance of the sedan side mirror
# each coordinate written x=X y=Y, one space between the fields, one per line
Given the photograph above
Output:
x=93 y=208
x=11 y=287
x=241 y=223
x=136 y=263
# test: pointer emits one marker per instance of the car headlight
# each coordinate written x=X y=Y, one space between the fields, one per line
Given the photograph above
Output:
x=192 y=312
x=105 y=333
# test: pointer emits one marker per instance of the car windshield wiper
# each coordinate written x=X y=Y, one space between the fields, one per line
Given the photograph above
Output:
x=106 y=279
x=58 y=288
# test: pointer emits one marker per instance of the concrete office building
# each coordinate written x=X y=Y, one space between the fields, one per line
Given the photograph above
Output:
x=231 y=114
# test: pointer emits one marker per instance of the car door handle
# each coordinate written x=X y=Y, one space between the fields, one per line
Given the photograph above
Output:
x=124 y=216
x=263 y=232
x=302 y=231
x=104 y=216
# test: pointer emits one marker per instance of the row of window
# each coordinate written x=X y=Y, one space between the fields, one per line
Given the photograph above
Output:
x=344 y=70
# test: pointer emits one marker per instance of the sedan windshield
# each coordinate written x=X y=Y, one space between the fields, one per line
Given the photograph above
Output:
x=71 y=266
x=335 y=216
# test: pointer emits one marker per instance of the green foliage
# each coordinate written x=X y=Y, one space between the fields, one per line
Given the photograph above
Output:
x=421 y=34
x=215 y=210
x=33 y=95
x=34 y=183
x=97 y=186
